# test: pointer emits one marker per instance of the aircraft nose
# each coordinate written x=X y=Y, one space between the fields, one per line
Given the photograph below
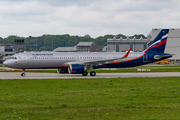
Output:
x=6 y=63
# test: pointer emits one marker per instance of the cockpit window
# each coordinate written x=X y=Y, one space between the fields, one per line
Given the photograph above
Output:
x=15 y=58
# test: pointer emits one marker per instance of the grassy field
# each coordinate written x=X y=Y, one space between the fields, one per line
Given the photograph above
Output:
x=1 y=65
x=114 y=98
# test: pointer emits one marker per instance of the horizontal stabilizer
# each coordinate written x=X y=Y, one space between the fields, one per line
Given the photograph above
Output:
x=157 y=57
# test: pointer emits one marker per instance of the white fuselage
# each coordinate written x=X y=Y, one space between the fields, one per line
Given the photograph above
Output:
x=45 y=60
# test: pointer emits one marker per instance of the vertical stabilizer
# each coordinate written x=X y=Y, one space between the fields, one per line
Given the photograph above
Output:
x=159 y=43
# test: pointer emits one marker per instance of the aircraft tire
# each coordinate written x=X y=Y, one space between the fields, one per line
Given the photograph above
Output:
x=23 y=74
x=92 y=73
x=85 y=73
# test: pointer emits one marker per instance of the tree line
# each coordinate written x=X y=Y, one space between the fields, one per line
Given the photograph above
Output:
x=50 y=42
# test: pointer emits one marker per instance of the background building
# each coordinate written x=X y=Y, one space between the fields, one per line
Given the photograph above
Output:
x=11 y=49
x=80 y=47
x=66 y=49
x=119 y=45
x=19 y=46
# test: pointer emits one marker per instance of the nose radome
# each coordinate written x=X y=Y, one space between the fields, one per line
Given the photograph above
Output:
x=5 y=63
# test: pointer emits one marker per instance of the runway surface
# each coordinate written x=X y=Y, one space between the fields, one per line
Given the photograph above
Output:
x=29 y=75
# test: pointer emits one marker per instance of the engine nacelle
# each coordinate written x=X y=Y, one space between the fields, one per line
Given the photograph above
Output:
x=62 y=70
x=76 y=69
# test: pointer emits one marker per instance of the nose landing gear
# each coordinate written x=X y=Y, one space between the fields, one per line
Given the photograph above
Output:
x=23 y=73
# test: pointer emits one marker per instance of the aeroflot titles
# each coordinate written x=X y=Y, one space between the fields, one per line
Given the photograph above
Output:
x=42 y=54
x=131 y=55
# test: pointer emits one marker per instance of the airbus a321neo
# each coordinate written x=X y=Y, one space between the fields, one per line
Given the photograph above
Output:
x=80 y=62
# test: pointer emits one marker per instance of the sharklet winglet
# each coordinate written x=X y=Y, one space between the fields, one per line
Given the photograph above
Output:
x=126 y=55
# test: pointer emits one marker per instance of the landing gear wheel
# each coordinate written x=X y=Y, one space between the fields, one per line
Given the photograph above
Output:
x=92 y=73
x=85 y=73
x=23 y=74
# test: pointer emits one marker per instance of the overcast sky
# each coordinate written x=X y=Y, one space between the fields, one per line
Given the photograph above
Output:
x=80 y=17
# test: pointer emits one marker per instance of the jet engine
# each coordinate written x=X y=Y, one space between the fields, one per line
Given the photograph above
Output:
x=76 y=69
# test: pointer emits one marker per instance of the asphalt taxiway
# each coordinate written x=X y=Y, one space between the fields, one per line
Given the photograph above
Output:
x=29 y=75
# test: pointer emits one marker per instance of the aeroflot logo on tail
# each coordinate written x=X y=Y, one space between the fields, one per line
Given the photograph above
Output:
x=42 y=54
x=159 y=41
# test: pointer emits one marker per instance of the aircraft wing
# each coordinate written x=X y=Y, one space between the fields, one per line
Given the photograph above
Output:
x=99 y=62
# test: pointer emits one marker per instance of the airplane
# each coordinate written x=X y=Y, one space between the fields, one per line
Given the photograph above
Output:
x=80 y=62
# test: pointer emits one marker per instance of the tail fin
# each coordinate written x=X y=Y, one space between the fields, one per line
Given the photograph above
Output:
x=159 y=43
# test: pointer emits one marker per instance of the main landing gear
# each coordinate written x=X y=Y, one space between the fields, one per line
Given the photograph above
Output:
x=23 y=73
x=85 y=73
x=92 y=73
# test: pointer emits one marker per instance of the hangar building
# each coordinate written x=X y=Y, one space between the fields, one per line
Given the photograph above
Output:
x=120 y=45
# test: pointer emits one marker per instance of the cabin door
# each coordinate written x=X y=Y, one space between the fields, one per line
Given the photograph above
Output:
x=24 y=58
x=145 y=58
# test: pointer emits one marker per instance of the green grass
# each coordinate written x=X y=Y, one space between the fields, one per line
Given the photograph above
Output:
x=113 y=98
x=1 y=65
